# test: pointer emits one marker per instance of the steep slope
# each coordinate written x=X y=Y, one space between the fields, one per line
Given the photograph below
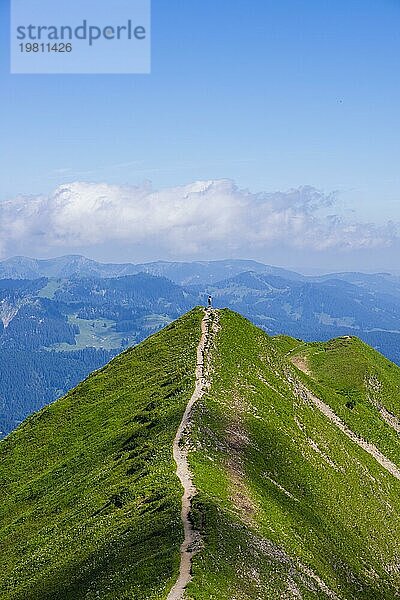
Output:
x=361 y=386
x=57 y=331
x=288 y=505
x=293 y=487
x=90 y=503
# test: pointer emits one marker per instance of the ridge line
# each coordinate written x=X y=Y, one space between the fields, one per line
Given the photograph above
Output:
x=192 y=540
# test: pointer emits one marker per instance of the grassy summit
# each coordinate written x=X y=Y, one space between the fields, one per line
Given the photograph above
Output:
x=288 y=505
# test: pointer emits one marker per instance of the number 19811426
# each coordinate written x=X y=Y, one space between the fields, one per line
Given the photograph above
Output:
x=29 y=47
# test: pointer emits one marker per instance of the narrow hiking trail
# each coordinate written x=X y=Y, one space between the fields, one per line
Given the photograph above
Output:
x=192 y=541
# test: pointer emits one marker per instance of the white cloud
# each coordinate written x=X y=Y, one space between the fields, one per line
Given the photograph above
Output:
x=188 y=221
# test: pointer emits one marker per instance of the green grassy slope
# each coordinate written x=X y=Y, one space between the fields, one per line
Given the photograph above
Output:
x=287 y=505
x=281 y=489
x=358 y=383
x=89 y=502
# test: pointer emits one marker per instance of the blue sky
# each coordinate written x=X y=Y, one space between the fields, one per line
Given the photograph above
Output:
x=271 y=95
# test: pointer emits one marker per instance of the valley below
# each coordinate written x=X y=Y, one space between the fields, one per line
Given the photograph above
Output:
x=60 y=319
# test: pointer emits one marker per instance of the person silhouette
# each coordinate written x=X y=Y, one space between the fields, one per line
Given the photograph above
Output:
x=209 y=301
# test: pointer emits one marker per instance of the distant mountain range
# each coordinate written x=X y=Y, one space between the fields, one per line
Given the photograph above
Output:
x=62 y=318
x=183 y=273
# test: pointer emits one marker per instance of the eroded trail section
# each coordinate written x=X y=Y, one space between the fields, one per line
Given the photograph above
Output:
x=192 y=542
x=372 y=450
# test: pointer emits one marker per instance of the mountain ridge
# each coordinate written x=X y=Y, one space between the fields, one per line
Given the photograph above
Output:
x=287 y=504
x=53 y=332
x=183 y=273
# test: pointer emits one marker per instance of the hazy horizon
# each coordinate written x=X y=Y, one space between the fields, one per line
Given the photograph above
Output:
x=106 y=260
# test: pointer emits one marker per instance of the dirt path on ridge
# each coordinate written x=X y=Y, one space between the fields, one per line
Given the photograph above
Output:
x=192 y=541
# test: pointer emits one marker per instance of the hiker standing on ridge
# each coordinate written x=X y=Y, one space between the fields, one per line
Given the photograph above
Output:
x=209 y=301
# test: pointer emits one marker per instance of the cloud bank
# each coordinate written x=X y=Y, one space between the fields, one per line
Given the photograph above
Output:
x=193 y=221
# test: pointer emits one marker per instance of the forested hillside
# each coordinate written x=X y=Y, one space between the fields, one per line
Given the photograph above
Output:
x=51 y=327
x=54 y=332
